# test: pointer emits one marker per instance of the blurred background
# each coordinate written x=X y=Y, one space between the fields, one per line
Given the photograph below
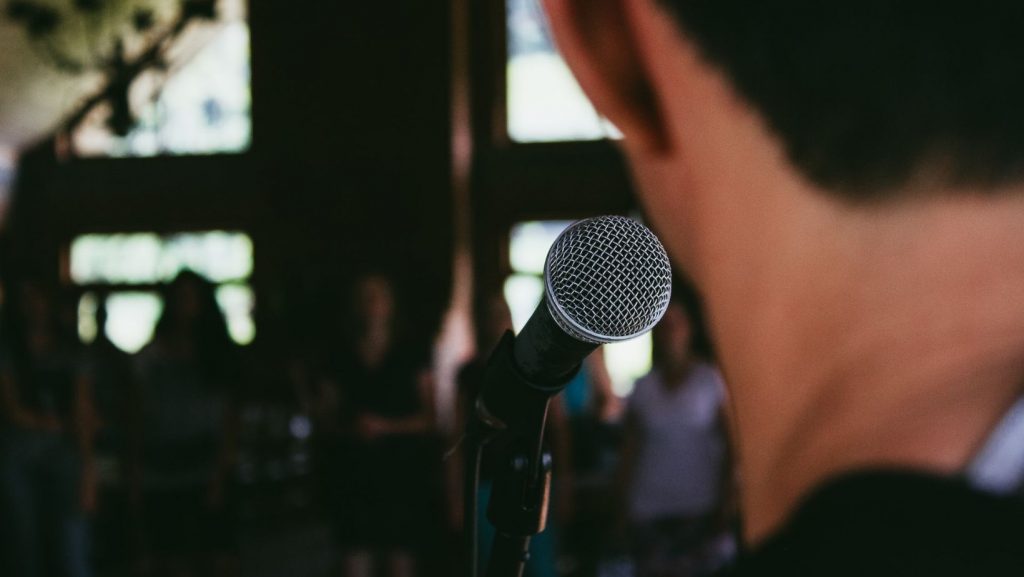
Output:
x=251 y=254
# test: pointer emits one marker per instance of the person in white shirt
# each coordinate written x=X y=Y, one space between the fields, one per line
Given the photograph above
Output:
x=675 y=457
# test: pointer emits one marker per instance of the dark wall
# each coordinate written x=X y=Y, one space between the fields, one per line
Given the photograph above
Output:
x=516 y=182
x=351 y=166
x=349 y=169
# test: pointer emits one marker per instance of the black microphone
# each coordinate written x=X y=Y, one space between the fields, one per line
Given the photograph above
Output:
x=607 y=279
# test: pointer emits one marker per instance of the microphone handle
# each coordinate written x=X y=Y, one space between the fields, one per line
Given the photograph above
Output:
x=544 y=353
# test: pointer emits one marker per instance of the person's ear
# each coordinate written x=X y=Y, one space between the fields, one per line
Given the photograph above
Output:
x=599 y=41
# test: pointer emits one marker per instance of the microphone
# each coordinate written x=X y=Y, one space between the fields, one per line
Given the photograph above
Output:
x=607 y=279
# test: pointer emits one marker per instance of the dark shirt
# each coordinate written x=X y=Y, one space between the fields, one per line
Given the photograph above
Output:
x=895 y=523
x=390 y=389
x=46 y=384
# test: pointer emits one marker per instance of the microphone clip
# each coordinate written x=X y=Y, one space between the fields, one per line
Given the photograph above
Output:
x=512 y=413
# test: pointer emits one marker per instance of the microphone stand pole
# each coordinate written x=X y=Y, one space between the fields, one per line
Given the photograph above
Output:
x=519 y=502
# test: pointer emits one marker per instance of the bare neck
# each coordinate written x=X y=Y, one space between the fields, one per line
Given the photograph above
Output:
x=861 y=338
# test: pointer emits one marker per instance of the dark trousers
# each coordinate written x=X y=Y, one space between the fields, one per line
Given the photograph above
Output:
x=43 y=531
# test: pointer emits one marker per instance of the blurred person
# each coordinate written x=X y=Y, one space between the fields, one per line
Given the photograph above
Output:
x=184 y=433
x=111 y=370
x=493 y=319
x=589 y=395
x=112 y=376
x=843 y=182
x=375 y=418
x=593 y=413
x=675 y=474
x=47 y=426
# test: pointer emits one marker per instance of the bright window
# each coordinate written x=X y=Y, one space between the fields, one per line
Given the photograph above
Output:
x=200 y=105
x=131 y=318
x=544 y=101
x=146 y=259
x=528 y=248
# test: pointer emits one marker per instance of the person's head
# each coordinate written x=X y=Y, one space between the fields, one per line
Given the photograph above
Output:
x=191 y=316
x=673 y=339
x=191 y=312
x=35 y=304
x=726 y=104
x=189 y=300
x=373 y=301
x=844 y=184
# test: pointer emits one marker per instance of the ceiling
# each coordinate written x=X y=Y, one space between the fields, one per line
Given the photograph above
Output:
x=34 y=94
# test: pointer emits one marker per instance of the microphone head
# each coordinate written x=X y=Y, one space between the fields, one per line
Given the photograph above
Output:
x=607 y=279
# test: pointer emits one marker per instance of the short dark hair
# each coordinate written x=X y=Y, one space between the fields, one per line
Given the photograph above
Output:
x=873 y=96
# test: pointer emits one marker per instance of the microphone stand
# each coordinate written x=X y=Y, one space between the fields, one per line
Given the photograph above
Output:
x=518 y=507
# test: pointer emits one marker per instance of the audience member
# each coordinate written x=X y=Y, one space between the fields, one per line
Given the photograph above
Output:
x=675 y=464
x=47 y=473
x=590 y=393
x=111 y=370
x=376 y=421
x=184 y=434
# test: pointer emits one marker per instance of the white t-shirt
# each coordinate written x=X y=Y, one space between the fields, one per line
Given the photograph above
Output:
x=681 y=449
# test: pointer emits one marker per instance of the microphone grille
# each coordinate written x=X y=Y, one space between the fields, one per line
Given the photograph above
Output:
x=608 y=279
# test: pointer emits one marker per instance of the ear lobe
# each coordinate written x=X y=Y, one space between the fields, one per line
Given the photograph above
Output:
x=598 y=39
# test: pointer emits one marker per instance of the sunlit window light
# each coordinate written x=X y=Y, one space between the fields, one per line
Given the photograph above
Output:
x=530 y=242
x=147 y=258
x=87 y=308
x=224 y=258
x=131 y=319
x=236 y=302
x=628 y=361
x=202 y=103
x=528 y=247
x=544 y=102
x=522 y=293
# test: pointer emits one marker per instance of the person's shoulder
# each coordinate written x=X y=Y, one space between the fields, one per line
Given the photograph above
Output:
x=154 y=352
x=645 y=382
x=894 y=523
x=644 y=386
x=706 y=371
x=709 y=378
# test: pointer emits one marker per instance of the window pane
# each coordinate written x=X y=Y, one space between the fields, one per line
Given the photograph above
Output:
x=236 y=302
x=87 y=328
x=628 y=361
x=201 y=106
x=224 y=258
x=116 y=258
x=219 y=256
x=544 y=101
x=522 y=293
x=530 y=242
x=131 y=318
x=147 y=258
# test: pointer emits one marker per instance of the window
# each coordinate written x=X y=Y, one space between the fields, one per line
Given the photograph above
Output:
x=528 y=248
x=201 y=105
x=128 y=267
x=544 y=102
